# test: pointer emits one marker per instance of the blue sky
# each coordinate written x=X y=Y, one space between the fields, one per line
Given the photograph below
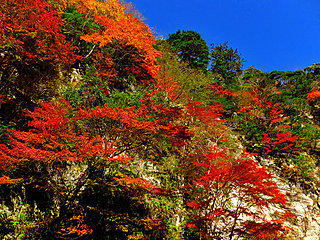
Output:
x=270 y=34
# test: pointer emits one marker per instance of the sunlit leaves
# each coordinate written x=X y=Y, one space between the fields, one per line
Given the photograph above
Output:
x=54 y=138
x=281 y=143
x=136 y=127
x=128 y=32
x=313 y=95
x=230 y=194
x=111 y=8
x=33 y=31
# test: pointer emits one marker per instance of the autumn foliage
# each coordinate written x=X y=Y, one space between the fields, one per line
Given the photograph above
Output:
x=32 y=30
x=111 y=146
x=313 y=95
x=231 y=196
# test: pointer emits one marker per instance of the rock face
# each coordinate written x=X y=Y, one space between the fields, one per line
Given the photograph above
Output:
x=307 y=224
x=305 y=205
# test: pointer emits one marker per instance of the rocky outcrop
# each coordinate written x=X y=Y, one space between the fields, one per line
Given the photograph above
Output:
x=305 y=205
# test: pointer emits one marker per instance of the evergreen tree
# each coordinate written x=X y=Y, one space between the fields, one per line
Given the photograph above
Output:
x=191 y=48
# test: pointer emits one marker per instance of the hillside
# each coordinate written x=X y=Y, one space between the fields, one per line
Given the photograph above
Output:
x=108 y=133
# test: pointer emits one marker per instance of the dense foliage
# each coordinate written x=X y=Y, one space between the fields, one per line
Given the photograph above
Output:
x=108 y=133
x=191 y=48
